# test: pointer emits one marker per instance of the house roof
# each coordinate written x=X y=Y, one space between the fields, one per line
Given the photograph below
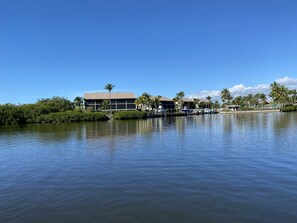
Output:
x=188 y=100
x=200 y=99
x=162 y=98
x=105 y=95
x=165 y=99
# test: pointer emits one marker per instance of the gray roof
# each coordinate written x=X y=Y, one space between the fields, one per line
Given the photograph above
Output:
x=200 y=99
x=165 y=99
x=162 y=98
x=105 y=95
x=188 y=100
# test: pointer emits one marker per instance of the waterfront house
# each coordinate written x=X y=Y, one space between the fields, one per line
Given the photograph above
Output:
x=188 y=104
x=119 y=101
x=167 y=103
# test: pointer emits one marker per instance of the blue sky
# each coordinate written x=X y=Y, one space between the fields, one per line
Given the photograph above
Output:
x=65 y=48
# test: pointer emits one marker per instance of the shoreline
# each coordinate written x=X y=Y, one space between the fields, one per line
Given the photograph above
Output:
x=248 y=112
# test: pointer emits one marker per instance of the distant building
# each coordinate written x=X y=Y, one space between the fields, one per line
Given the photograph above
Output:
x=188 y=104
x=167 y=103
x=126 y=101
x=119 y=101
x=233 y=107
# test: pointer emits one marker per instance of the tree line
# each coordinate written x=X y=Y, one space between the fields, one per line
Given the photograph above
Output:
x=279 y=94
x=55 y=109
x=148 y=102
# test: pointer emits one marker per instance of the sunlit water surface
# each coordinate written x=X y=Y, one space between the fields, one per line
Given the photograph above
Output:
x=220 y=168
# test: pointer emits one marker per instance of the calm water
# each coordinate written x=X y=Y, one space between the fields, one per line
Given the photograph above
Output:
x=221 y=168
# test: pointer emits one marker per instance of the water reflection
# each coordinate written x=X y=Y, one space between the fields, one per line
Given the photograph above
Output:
x=256 y=121
x=276 y=123
x=283 y=121
x=212 y=168
x=121 y=128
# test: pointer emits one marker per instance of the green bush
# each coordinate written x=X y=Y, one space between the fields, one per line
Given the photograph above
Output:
x=30 y=113
x=10 y=114
x=94 y=116
x=72 y=116
x=129 y=115
x=246 y=109
x=22 y=114
x=52 y=105
x=55 y=109
x=289 y=108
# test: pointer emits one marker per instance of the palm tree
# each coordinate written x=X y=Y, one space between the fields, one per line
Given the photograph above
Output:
x=138 y=103
x=226 y=95
x=78 y=102
x=197 y=102
x=216 y=105
x=109 y=87
x=147 y=99
x=279 y=93
x=179 y=100
x=275 y=91
x=180 y=94
x=263 y=98
x=209 y=100
x=257 y=99
x=249 y=99
x=156 y=101
x=238 y=101
x=284 y=95
x=144 y=102
x=293 y=95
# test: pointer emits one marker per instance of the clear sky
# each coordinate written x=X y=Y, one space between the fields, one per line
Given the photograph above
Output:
x=64 y=48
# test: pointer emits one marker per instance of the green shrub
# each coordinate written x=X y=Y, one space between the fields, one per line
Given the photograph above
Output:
x=246 y=109
x=51 y=105
x=10 y=114
x=72 y=116
x=31 y=113
x=94 y=116
x=129 y=115
x=289 y=108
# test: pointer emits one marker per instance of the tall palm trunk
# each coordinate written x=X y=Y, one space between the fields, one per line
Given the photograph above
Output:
x=109 y=87
x=110 y=112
